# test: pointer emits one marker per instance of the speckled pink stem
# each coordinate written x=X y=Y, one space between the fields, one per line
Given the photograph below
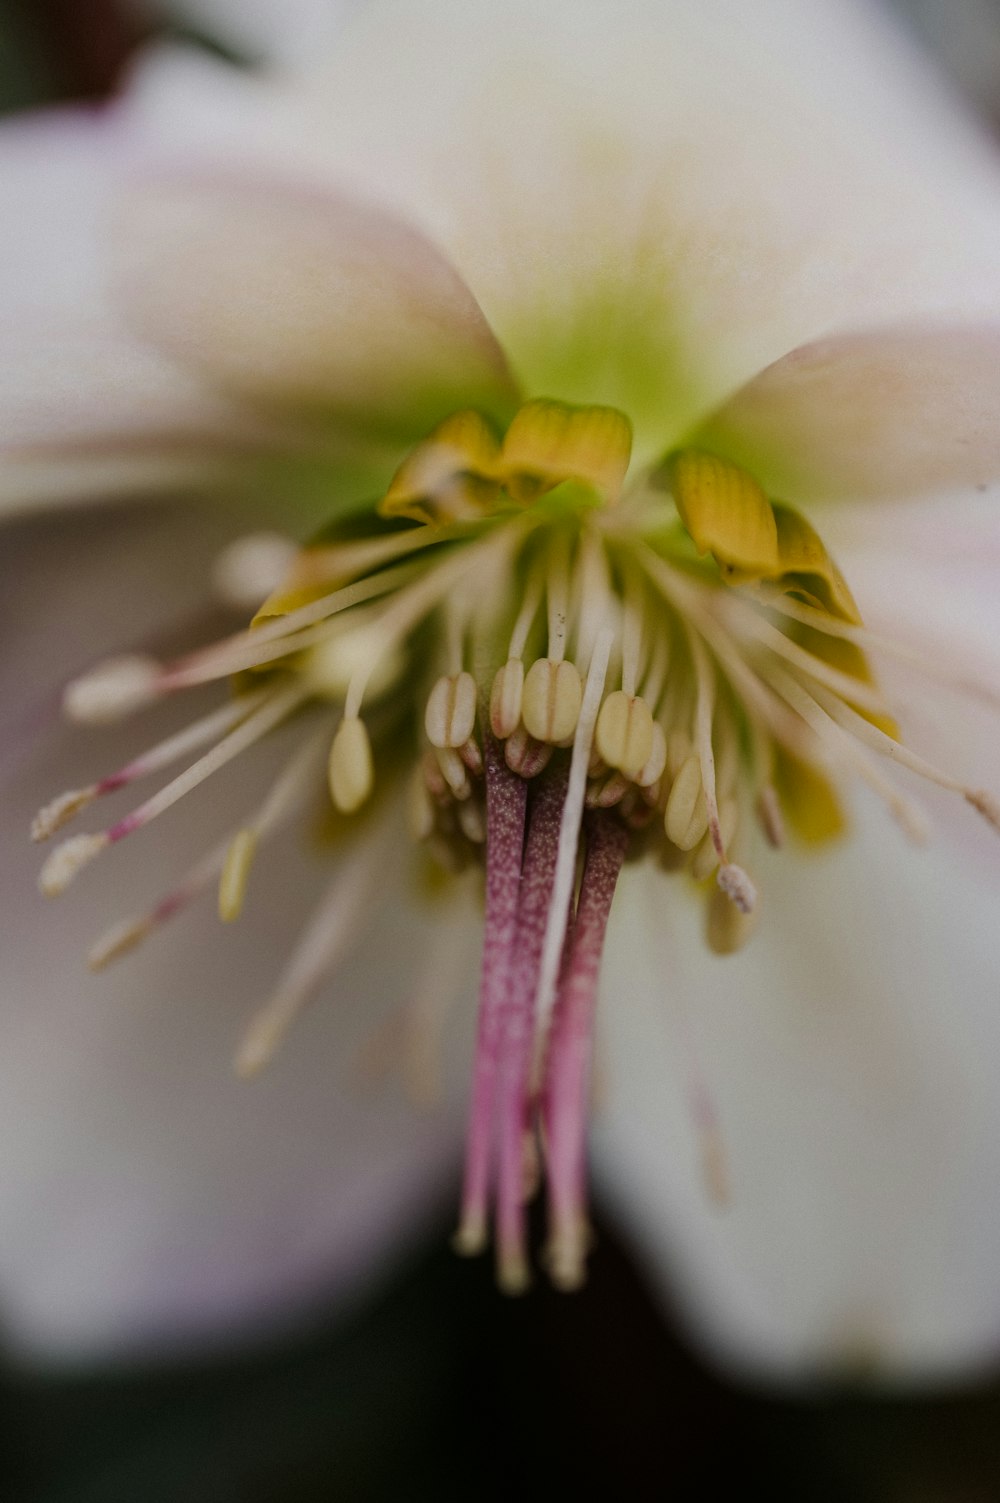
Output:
x=567 y=1078
x=517 y=1031
x=506 y=803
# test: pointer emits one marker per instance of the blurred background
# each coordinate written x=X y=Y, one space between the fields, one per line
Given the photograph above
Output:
x=438 y=1388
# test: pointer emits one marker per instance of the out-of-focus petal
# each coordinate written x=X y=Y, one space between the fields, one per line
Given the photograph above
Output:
x=650 y=201
x=851 y=1054
x=76 y=386
x=315 y=302
x=149 y=1202
x=894 y=413
x=291 y=33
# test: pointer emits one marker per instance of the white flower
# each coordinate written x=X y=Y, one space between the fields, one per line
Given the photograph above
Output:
x=704 y=273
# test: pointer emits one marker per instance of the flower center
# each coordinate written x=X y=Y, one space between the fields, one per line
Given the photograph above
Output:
x=576 y=667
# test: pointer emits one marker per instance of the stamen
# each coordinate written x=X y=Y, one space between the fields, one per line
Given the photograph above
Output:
x=923 y=659
x=631 y=635
x=551 y=700
x=112 y=690
x=557 y=599
x=506 y=698
x=982 y=801
x=451 y=710
x=526 y=615
x=68 y=805
x=732 y=879
x=351 y=769
x=251 y=568
x=67 y=859
x=236 y=874
x=272 y=640
x=569 y=832
x=568 y=1064
x=769 y=813
x=283 y=800
x=413 y=604
x=908 y=815
x=337 y=922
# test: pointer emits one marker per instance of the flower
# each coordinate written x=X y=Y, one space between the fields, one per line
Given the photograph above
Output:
x=626 y=362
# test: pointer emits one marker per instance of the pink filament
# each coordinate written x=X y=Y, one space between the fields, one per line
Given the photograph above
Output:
x=517 y=1020
x=506 y=803
x=567 y=1081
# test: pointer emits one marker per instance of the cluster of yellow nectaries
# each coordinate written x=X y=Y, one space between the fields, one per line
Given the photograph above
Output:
x=684 y=636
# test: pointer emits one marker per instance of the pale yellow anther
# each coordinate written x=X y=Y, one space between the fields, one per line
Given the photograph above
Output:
x=610 y=792
x=351 y=770
x=624 y=734
x=524 y=755
x=706 y=858
x=550 y=705
x=453 y=770
x=450 y=477
x=678 y=750
x=727 y=929
x=686 y=817
x=419 y=807
x=434 y=779
x=471 y=754
x=472 y=1237
x=451 y=710
x=118 y=941
x=472 y=821
x=549 y=442
x=770 y=816
x=235 y=875
x=654 y=766
x=738 y=887
x=505 y=698
x=726 y=512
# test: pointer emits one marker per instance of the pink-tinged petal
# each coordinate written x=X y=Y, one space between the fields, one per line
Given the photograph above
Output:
x=308 y=300
x=653 y=202
x=293 y=33
x=888 y=413
x=77 y=388
x=850 y=1051
x=149 y=1202
x=924 y=574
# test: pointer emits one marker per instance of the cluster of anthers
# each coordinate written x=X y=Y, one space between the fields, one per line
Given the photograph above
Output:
x=577 y=670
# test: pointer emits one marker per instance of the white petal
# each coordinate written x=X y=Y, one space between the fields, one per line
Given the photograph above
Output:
x=292 y=33
x=314 y=301
x=653 y=201
x=892 y=413
x=149 y=1202
x=924 y=574
x=78 y=393
x=851 y=1052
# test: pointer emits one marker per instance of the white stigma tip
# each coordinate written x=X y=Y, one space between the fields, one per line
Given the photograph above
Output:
x=112 y=690
x=566 y=1257
x=987 y=805
x=68 y=859
x=252 y=568
x=513 y=1274
x=261 y=1041
x=117 y=942
x=738 y=887
x=60 y=811
x=470 y=1239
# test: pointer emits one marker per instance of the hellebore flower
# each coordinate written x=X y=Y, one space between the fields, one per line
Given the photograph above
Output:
x=645 y=359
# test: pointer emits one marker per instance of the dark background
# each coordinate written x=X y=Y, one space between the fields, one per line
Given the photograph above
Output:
x=441 y=1389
